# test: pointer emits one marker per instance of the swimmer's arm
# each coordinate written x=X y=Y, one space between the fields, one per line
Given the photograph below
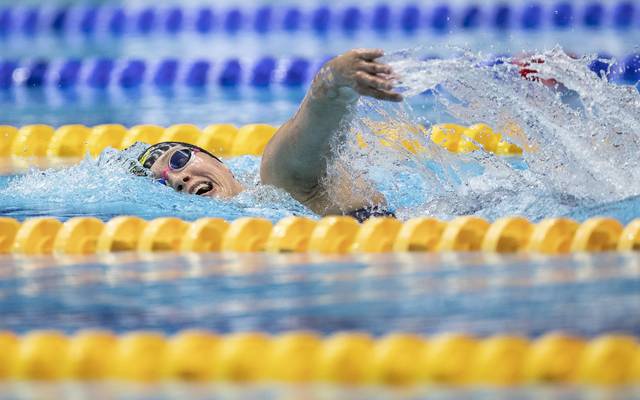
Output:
x=296 y=158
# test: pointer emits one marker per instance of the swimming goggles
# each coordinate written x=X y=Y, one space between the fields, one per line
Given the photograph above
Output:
x=178 y=160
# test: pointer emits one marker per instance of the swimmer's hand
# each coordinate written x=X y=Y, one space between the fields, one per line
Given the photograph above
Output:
x=297 y=156
x=359 y=70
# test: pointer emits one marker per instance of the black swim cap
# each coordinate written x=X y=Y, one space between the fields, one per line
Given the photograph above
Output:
x=154 y=152
x=149 y=157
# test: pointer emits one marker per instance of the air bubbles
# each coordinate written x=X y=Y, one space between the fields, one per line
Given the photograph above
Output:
x=579 y=133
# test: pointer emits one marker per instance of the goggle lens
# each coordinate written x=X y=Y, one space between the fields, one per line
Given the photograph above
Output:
x=179 y=159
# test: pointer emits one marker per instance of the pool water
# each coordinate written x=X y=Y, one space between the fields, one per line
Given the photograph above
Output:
x=574 y=138
x=422 y=293
x=149 y=105
x=311 y=392
x=580 y=160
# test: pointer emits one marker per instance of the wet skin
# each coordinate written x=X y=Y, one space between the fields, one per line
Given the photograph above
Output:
x=202 y=175
x=297 y=157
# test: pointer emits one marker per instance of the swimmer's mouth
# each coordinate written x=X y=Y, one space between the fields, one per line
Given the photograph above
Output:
x=202 y=188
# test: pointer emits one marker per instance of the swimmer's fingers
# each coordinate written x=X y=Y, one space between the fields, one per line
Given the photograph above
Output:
x=379 y=94
x=364 y=79
x=368 y=54
x=375 y=68
x=392 y=77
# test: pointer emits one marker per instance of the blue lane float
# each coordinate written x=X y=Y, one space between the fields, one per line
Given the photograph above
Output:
x=129 y=73
x=624 y=14
x=233 y=72
x=438 y=17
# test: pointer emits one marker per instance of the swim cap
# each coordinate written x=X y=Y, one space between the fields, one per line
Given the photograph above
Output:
x=153 y=153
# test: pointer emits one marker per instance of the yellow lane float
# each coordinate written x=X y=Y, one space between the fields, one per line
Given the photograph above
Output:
x=330 y=235
x=291 y=235
x=226 y=140
x=354 y=358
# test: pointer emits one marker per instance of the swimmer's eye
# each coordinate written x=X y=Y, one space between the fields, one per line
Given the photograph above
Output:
x=162 y=181
x=180 y=158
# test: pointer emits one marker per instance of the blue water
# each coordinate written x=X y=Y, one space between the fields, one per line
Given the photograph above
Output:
x=149 y=105
x=312 y=392
x=584 y=164
x=578 y=137
x=92 y=188
x=428 y=294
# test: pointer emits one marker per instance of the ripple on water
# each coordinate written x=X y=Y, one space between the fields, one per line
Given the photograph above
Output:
x=581 y=159
x=581 y=140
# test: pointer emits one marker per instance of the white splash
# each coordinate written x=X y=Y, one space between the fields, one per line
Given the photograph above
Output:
x=581 y=140
x=105 y=187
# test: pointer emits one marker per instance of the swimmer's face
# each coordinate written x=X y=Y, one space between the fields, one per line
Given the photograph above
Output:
x=203 y=175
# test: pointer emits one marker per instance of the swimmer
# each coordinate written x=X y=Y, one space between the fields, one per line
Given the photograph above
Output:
x=297 y=157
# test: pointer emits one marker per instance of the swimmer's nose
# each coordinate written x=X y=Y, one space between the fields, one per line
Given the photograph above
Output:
x=180 y=186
